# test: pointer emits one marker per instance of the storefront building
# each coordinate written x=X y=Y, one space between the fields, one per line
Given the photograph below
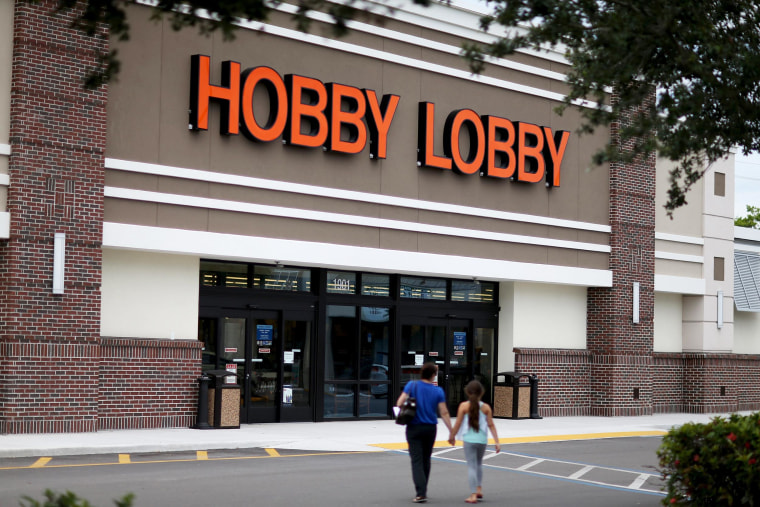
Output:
x=320 y=216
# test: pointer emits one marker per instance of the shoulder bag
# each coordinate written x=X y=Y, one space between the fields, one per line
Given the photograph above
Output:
x=408 y=408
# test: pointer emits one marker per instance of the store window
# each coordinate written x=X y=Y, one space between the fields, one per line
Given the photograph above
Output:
x=357 y=362
x=224 y=274
x=473 y=291
x=376 y=285
x=288 y=279
x=423 y=288
x=341 y=282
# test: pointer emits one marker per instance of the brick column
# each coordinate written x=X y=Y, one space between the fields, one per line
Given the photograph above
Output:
x=49 y=343
x=621 y=352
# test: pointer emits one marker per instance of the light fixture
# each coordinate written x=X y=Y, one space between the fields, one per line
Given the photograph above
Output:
x=475 y=280
x=635 y=302
x=278 y=264
x=59 y=261
x=720 y=309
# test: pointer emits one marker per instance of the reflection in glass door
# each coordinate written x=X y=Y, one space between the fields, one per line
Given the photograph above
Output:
x=262 y=378
x=271 y=353
x=459 y=352
x=296 y=399
x=445 y=342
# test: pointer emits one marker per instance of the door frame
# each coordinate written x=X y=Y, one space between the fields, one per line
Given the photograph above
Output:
x=248 y=413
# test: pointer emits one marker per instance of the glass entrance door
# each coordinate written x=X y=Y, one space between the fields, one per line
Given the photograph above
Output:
x=271 y=353
x=445 y=342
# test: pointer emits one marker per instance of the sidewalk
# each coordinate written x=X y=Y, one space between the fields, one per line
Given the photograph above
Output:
x=336 y=436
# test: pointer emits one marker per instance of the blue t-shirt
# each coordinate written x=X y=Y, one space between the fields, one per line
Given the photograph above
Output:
x=428 y=397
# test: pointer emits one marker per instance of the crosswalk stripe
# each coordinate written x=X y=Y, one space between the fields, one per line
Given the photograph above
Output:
x=580 y=473
x=41 y=462
x=639 y=481
x=531 y=464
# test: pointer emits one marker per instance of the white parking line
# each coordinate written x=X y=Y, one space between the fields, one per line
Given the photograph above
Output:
x=580 y=473
x=640 y=480
x=445 y=451
x=531 y=464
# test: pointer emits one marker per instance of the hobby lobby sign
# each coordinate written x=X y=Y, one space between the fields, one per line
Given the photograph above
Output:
x=303 y=111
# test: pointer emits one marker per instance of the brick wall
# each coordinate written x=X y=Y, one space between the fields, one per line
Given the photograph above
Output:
x=48 y=368
x=620 y=362
x=56 y=374
x=148 y=383
x=564 y=383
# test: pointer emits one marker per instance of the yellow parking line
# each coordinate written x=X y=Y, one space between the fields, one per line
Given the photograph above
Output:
x=272 y=452
x=201 y=454
x=41 y=463
x=544 y=438
x=124 y=458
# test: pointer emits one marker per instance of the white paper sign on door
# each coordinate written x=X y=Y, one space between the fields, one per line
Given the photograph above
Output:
x=288 y=357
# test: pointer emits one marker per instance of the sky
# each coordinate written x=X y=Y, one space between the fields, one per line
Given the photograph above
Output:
x=747 y=183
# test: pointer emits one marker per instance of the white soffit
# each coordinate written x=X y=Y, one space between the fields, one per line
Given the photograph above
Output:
x=260 y=249
x=747 y=281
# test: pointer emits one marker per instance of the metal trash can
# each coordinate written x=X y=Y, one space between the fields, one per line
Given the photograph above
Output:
x=511 y=395
x=223 y=400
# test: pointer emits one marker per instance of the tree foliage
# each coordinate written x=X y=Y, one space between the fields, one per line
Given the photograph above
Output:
x=752 y=220
x=701 y=59
x=69 y=499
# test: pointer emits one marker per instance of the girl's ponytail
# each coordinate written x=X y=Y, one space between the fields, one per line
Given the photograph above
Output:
x=474 y=391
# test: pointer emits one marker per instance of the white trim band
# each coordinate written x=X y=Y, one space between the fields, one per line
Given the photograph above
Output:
x=5 y=180
x=5 y=149
x=5 y=225
x=679 y=285
x=333 y=193
x=432 y=44
x=679 y=257
x=676 y=238
x=252 y=249
x=340 y=218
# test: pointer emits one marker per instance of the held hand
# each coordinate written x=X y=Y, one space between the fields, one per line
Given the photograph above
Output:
x=452 y=440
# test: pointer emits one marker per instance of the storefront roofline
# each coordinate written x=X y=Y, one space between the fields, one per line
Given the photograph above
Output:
x=303 y=253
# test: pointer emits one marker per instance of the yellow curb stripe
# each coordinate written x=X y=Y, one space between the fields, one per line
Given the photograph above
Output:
x=41 y=462
x=272 y=452
x=124 y=459
x=542 y=438
x=201 y=455
x=235 y=458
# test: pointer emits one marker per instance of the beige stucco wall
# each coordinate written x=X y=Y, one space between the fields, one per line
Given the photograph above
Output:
x=550 y=316
x=668 y=310
x=687 y=220
x=746 y=332
x=146 y=295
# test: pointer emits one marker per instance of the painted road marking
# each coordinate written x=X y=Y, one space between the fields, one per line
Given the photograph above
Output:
x=575 y=477
x=201 y=455
x=395 y=446
x=580 y=473
x=41 y=462
x=445 y=451
x=272 y=452
x=640 y=480
x=126 y=459
x=531 y=464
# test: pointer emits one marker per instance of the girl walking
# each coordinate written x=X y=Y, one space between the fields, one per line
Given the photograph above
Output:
x=473 y=419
